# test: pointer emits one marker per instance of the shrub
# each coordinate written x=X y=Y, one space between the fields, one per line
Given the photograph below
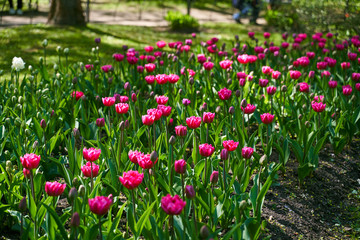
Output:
x=181 y=22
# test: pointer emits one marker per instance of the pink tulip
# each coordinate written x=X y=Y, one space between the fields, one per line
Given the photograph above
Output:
x=332 y=84
x=161 y=78
x=100 y=205
x=131 y=179
x=275 y=75
x=190 y=192
x=201 y=58
x=100 y=122
x=266 y=70
x=134 y=156
x=162 y=100
x=208 y=65
x=150 y=79
x=248 y=109
x=318 y=106
x=267 y=118
x=304 y=87
x=295 y=74
x=54 y=189
x=193 y=122
x=345 y=65
x=224 y=94
x=214 y=177
x=172 y=205
x=30 y=161
x=150 y=67
x=208 y=117
x=271 y=90
x=181 y=131
x=91 y=154
x=206 y=150
x=247 y=152
x=161 y=44
x=26 y=173
x=263 y=82
x=86 y=169
x=230 y=145
x=107 y=68
x=118 y=57
x=148 y=119
x=267 y=35
x=122 y=108
x=108 y=101
x=149 y=49
x=180 y=166
x=165 y=110
x=225 y=64
x=145 y=162
x=347 y=90
x=77 y=95
x=173 y=78
x=155 y=112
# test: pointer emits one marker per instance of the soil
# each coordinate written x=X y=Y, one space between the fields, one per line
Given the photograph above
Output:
x=326 y=206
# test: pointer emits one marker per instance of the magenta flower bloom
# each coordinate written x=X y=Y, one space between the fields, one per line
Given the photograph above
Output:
x=332 y=84
x=100 y=205
x=249 y=109
x=132 y=60
x=266 y=70
x=180 y=166
x=161 y=44
x=165 y=110
x=224 y=94
x=118 y=57
x=267 y=35
x=173 y=78
x=345 y=65
x=347 y=90
x=190 y=192
x=86 y=169
x=30 y=161
x=206 y=150
x=214 y=177
x=193 y=122
x=271 y=90
x=122 y=108
x=145 y=162
x=251 y=34
x=230 y=145
x=131 y=179
x=100 y=122
x=247 y=152
x=310 y=55
x=150 y=67
x=161 y=78
x=275 y=75
x=123 y=99
x=107 y=68
x=263 y=82
x=54 y=189
x=155 y=112
x=267 y=118
x=172 y=205
x=208 y=65
x=318 y=106
x=148 y=119
x=355 y=76
x=134 y=156
x=26 y=173
x=186 y=101
x=77 y=95
x=162 y=100
x=225 y=64
x=357 y=86
x=150 y=79
x=108 y=101
x=295 y=74
x=201 y=58
x=91 y=154
x=304 y=87
x=180 y=131
x=208 y=117
x=149 y=49
x=89 y=67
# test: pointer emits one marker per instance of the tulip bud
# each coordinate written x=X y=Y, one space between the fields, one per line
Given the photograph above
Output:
x=304 y=107
x=74 y=80
x=243 y=205
x=300 y=116
x=190 y=192
x=198 y=93
x=127 y=124
x=122 y=126
x=43 y=123
x=75 y=220
x=218 y=109
x=27 y=132
x=127 y=86
x=21 y=100
x=229 y=81
x=224 y=155
x=100 y=122
x=307 y=124
x=110 y=80
x=244 y=103
x=7 y=121
x=82 y=190
x=231 y=110
x=9 y=164
x=76 y=133
x=133 y=97
x=73 y=195
x=35 y=145
x=172 y=140
x=180 y=91
x=284 y=88
x=171 y=121
x=237 y=93
x=191 y=80
x=45 y=43
x=153 y=156
x=204 y=232
x=75 y=181
x=22 y=205
x=214 y=177
x=212 y=74
x=262 y=160
x=152 y=94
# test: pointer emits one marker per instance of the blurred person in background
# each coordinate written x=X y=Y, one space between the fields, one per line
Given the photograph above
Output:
x=19 y=7
x=244 y=7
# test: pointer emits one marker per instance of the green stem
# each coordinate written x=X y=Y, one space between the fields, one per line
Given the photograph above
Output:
x=133 y=203
x=101 y=237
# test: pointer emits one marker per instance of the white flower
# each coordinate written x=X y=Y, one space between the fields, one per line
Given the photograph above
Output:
x=18 y=64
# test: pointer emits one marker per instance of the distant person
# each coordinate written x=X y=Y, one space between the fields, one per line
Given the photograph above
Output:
x=245 y=6
x=255 y=4
x=19 y=7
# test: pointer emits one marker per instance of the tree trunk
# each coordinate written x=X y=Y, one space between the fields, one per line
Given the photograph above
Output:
x=188 y=7
x=66 y=12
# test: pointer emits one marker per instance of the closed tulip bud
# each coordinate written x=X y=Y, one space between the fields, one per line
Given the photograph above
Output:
x=75 y=181
x=122 y=126
x=191 y=81
x=66 y=51
x=154 y=156
x=243 y=205
x=204 y=232
x=22 y=205
x=171 y=122
x=43 y=123
x=212 y=74
x=27 y=132
x=304 y=107
x=284 y=88
x=244 y=103
x=110 y=80
x=152 y=94
x=9 y=164
x=35 y=145
x=333 y=116
x=96 y=77
x=21 y=100
x=307 y=124
x=214 y=177
x=229 y=81
x=127 y=86
x=76 y=133
x=75 y=220
x=190 y=192
x=180 y=91
x=224 y=155
x=7 y=153
x=198 y=93
x=311 y=95
x=262 y=160
x=133 y=97
x=231 y=110
x=74 y=80
x=7 y=121
x=13 y=99
x=172 y=140
x=73 y=193
x=41 y=60
x=45 y=43
x=100 y=122
x=218 y=109
x=127 y=124
x=82 y=191
x=237 y=93
x=300 y=116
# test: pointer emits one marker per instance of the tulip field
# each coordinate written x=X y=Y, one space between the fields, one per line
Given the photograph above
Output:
x=176 y=140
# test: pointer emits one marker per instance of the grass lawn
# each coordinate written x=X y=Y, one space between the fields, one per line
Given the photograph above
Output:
x=25 y=41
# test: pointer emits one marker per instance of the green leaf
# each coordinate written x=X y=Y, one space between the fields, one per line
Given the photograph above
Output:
x=144 y=219
x=58 y=222
x=115 y=223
